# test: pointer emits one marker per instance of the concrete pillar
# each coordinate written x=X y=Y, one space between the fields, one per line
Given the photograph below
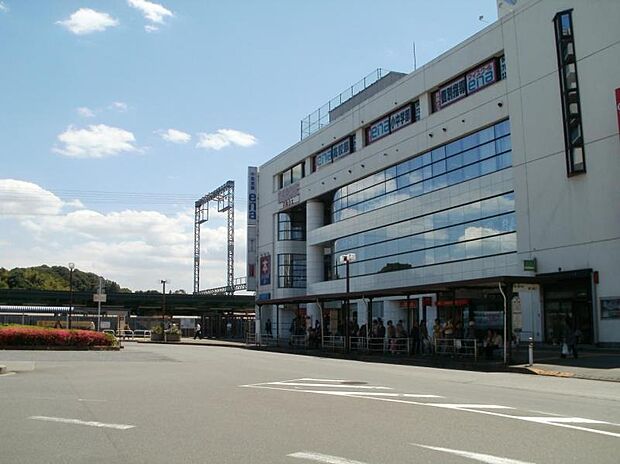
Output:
x=315 y=211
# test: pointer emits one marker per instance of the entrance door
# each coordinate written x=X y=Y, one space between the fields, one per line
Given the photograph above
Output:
x=568 y=302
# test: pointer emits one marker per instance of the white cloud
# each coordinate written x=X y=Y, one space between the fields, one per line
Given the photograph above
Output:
x=18 y=197
x=3 y=7
x=97 y=141
x=223 y=138
x=153 y=12
x=119 y=106
x=85 y=112
x=150 y=28
x=87 y=21
x=174 y=136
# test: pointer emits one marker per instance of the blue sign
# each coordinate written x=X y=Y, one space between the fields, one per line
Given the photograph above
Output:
x=337 y=150
x=391 y=123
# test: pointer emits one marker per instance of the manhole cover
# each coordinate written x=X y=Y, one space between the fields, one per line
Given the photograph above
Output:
x=352 y=382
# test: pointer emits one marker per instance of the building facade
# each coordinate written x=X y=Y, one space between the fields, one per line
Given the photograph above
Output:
x=498 y=161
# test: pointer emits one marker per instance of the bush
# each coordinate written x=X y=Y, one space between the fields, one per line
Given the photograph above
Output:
x=16 y=335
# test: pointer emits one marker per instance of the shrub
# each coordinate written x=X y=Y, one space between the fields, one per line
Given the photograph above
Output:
x=16 y=335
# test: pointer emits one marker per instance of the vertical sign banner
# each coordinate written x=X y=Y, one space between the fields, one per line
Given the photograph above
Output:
x=618 y=107
x=265 y=270
x=252 y=232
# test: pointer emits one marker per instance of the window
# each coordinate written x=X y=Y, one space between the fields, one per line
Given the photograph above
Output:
x=483 y=152
x=569 y=89
x=292 y=225
x=474 y=230
x=291 y=270
x=292 y=175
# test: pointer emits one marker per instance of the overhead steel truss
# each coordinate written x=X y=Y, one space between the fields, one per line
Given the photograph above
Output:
x=225 y=197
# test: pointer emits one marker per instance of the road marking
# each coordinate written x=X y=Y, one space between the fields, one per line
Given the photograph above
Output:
x=326 y=458
x=488 y=458
x=6 y=374
x=320 y=380
x=92 y=401
x=301 y=384
x=470 y=406
x=80 y=422
x=556 y=421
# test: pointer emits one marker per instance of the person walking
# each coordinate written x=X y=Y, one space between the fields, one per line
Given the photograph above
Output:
x=198 y=331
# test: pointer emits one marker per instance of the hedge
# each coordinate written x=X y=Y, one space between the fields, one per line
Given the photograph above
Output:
x=15 y=335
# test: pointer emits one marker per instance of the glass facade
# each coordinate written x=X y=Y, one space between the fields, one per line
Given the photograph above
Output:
x=292 y=225
x=291 y=270
x=469 y=231
x=483 y=152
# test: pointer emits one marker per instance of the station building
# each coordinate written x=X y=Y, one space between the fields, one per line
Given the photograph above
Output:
x=492 y=170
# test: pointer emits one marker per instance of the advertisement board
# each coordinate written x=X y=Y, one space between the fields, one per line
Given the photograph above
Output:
x=481 y=77
x=265 y=270
x=396 y=120
x=251 y=228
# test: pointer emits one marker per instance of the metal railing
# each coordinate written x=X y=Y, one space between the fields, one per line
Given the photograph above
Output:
x=298 y=341
x=333 y=342
x=320 y=117
x=250 y=338
x=465 y=347
x=359 y=344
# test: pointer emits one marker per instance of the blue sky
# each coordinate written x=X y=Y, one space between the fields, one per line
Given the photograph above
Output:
x=117 y=114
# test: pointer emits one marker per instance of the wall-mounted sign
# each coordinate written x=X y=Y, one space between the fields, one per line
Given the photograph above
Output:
x=618 y=107
x=336 y=151
x=610 y=308
x=450 y=93
x=391 y=123
x=289 y=195
x=251 y=228
x=265 y=270
x=481 y=77
x=529 y=265
x=468 y=83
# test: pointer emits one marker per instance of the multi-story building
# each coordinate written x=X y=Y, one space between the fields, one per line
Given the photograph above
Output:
x=497 y=164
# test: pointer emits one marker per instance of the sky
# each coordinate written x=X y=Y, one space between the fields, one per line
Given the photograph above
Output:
x=116 y=115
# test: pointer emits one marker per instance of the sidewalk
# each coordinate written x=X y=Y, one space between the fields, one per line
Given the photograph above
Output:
x=593 y=363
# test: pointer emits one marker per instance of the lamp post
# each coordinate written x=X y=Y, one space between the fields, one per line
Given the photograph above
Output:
x=163 y=310
x=346 y=259
x=71 y=267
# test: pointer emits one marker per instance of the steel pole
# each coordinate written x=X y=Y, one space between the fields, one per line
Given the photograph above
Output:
x=70 y=296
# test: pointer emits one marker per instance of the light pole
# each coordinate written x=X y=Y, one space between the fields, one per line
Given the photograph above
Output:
x=71 y=267
x=346 y=259
x=163 y=310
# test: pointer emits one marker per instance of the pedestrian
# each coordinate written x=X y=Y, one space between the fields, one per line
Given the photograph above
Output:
x=572 y=340
x=198 y=331
x=415 y=338
x=268 y=328
x=425 y=343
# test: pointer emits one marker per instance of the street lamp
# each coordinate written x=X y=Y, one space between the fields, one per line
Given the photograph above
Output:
x=346 y=259
x=163 y=309
x=71 y=267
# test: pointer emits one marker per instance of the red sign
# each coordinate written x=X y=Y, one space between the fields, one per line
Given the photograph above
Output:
x=618 y=107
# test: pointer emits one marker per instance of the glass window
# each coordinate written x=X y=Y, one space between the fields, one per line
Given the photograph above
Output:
x=438 y=154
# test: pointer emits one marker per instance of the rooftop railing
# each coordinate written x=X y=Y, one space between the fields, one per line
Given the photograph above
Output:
x=320 y=117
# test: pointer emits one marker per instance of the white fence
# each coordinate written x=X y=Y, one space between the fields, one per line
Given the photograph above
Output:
x=457 y=347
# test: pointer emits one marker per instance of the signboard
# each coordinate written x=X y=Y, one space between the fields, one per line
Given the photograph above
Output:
x=610 y=308
x=450 y=93
x=265 y=270
x=529 y=265
x=350 y=257
x=251 y=229
x=104 y=325
x=391 y=123
x=618 y=107
x=99 y=297
x=334 y=152
x=481 y=77
x=289 y=195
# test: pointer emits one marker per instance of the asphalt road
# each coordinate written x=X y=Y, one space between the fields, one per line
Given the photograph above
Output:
x=196 y=404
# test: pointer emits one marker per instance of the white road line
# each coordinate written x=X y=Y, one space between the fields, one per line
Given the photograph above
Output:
x=414 y=395
x=92 y=401
x=326 y=458
x=470 y=406
x=488 y=458
x=80 y=422
x=562 y=420
x=302 y=384
x=320 y=380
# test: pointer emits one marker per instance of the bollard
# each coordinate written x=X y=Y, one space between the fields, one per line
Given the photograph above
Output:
x=531 y=351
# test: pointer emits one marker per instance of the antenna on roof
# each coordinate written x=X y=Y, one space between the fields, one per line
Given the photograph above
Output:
x=415 y=62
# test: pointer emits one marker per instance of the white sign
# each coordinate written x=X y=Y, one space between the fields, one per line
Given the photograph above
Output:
x=349 y=257
x=99 y=298
x=105 y=325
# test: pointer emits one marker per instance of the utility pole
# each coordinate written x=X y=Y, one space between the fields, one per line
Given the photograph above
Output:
x=163 y=310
